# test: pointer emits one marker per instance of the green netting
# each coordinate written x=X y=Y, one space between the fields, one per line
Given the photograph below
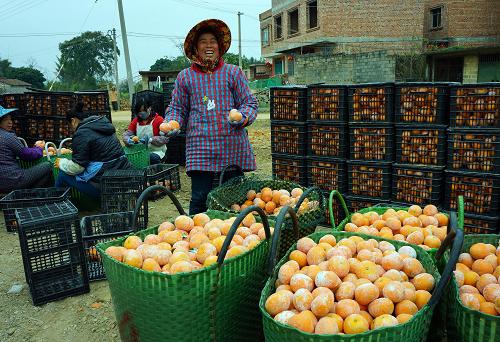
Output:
x=415 y=329
x=235 y=190
x=24 y=164
x=209 y=304
x=137 y=155
x=464 y=324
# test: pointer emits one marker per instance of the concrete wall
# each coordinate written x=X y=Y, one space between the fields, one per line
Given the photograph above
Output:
x=471 y=68
x=343 y=68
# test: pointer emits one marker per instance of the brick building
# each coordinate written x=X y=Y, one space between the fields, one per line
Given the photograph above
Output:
x=354 y=41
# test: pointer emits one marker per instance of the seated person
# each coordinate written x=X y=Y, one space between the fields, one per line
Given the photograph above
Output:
x=12 y=176
x=146 y=126
x=96 y=149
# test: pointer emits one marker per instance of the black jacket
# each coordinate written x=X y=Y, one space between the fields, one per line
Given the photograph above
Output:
x=95 y=141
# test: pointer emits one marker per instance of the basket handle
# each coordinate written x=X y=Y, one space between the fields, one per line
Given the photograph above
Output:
x=339 y=197
x=305 y=194
x=273 y=254
x=236 y=167
x=145 y=196
x=461 y=210
x=458 y=238
x=23 y=141
x=47 y=148
x=61 y=144
x=236 y=224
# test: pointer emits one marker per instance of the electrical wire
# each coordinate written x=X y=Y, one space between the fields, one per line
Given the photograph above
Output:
x=20 y=10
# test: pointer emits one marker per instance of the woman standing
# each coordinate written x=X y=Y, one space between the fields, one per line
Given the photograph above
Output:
x=202 y=99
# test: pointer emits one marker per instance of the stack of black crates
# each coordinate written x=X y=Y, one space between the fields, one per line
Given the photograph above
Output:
x=42 y=115
x=289 y=133
x=473 y=167
x=371 y=144
x=327 y=140
x=420 y=138
x=52 y=251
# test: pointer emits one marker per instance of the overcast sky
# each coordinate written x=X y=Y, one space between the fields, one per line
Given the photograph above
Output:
x=31 y=30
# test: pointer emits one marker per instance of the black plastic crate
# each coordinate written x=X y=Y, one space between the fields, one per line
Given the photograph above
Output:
x=120 y=190
x=289 y=137
x=39 y=103
x=14 y=101
x=52 y=251
x=48 y=128
x=356 y=203
x=475 y=105
x=369 y=179
x=288 y=103
x=25 y=198
x=101 y=228
x=19 y=125
x=419 y=144
x=422 y=102
x=417 y=185
x=371 y=102
x=371 y=142
x=93 y=101
x=481 y=192
x=290 y=168
x=176 y=150
x=327 y=139
x=326 y=173
x=477 y=224
x=163 y=174
x=474 y=150
x=327 y=103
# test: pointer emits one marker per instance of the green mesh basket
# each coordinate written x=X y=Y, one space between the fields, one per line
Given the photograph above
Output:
x=379 y=210
x=24 y=164
x=216 y=303
x=464 y=324
x=137 y=155
x=415 y=329
x=235 y=190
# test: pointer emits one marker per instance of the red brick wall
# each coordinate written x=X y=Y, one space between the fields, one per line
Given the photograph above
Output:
x=466 y=23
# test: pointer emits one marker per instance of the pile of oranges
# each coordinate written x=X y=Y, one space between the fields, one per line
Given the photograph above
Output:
x=477 y=275
x=350 y=286
x=187 y=244
x=272 y=201
x=425 y=227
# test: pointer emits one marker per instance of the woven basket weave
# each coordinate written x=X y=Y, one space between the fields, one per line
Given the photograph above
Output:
x=415 y=329
x=215 y=303
x=235 y=190
x=465 y=324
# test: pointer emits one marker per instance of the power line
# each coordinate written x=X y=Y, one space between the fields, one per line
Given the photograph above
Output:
x=16 y=5
x=36 y=34
x=21 y=9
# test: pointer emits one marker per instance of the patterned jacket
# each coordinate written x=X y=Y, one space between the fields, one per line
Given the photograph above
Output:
x=201 y=103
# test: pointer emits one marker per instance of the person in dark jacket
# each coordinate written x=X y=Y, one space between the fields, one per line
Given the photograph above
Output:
x=12 y=176
x=96 y=149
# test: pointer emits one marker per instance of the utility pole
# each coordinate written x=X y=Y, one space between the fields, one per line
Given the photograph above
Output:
x=113 y=35
x=125 y=50
x=239 y=39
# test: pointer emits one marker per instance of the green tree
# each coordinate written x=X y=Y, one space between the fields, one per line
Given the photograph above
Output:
x=5 y=67
x=86 y=60
x=170 y=64
x=28 y=74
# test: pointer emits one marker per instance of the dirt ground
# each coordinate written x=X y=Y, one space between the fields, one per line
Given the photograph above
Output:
x=87 y=317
